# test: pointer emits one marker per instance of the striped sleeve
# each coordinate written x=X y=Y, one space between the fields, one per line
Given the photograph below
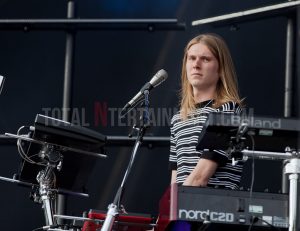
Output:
x=172 y=157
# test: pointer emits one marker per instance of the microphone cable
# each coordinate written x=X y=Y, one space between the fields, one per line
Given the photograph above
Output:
x=252 y=178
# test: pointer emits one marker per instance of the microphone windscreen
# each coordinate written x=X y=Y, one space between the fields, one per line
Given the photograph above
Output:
x=159 y=77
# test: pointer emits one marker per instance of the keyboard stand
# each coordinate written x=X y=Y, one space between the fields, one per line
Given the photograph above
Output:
x=292 y=168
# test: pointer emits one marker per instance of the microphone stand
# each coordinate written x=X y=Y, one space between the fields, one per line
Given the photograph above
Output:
x=115 y=208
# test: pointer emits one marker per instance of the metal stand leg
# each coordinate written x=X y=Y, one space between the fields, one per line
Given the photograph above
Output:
x=110 y=217
x=114 y=208
x=48 y=211
x=284 y=180
x=46 y=200
x=293 y=201
x=46 y=181
x=293 y=168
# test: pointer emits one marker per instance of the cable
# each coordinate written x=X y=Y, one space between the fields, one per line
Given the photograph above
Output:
x=255 y=219
x=25 y=155
x=22 y=153
x=272 y=226
x=252 y=179
x=204 y=227
x=40 y=228
x=253 y=167
x=19 y=145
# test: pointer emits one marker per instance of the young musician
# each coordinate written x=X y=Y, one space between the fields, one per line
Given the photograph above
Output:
x=208 y=84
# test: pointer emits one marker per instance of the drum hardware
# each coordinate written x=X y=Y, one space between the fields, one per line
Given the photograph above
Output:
x=46 y=180
x=55 y=136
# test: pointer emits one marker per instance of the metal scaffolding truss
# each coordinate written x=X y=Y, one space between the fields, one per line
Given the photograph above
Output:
x=250 y=15
x=90 y=24
x=113 y=141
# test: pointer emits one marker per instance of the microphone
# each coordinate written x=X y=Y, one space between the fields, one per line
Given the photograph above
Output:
x=157 y=79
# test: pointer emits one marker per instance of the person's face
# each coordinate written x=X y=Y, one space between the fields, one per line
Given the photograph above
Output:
x=202 y=67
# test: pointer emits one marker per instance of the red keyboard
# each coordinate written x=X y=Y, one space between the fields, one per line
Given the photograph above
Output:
x=128 y=222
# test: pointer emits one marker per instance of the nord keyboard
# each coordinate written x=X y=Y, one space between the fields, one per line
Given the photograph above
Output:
x=233 y=209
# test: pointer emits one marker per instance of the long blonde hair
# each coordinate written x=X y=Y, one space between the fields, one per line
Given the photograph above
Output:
x=227 y=87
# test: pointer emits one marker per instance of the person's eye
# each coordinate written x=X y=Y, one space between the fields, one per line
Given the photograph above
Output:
x=191 y=58
x=205 y=59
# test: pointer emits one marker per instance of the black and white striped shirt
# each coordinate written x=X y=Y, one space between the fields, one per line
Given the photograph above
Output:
x=184 y=155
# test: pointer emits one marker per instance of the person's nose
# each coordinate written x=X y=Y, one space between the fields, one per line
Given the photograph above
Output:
x=197 y=63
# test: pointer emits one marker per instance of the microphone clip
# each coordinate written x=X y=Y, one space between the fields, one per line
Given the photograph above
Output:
x=145 y=117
